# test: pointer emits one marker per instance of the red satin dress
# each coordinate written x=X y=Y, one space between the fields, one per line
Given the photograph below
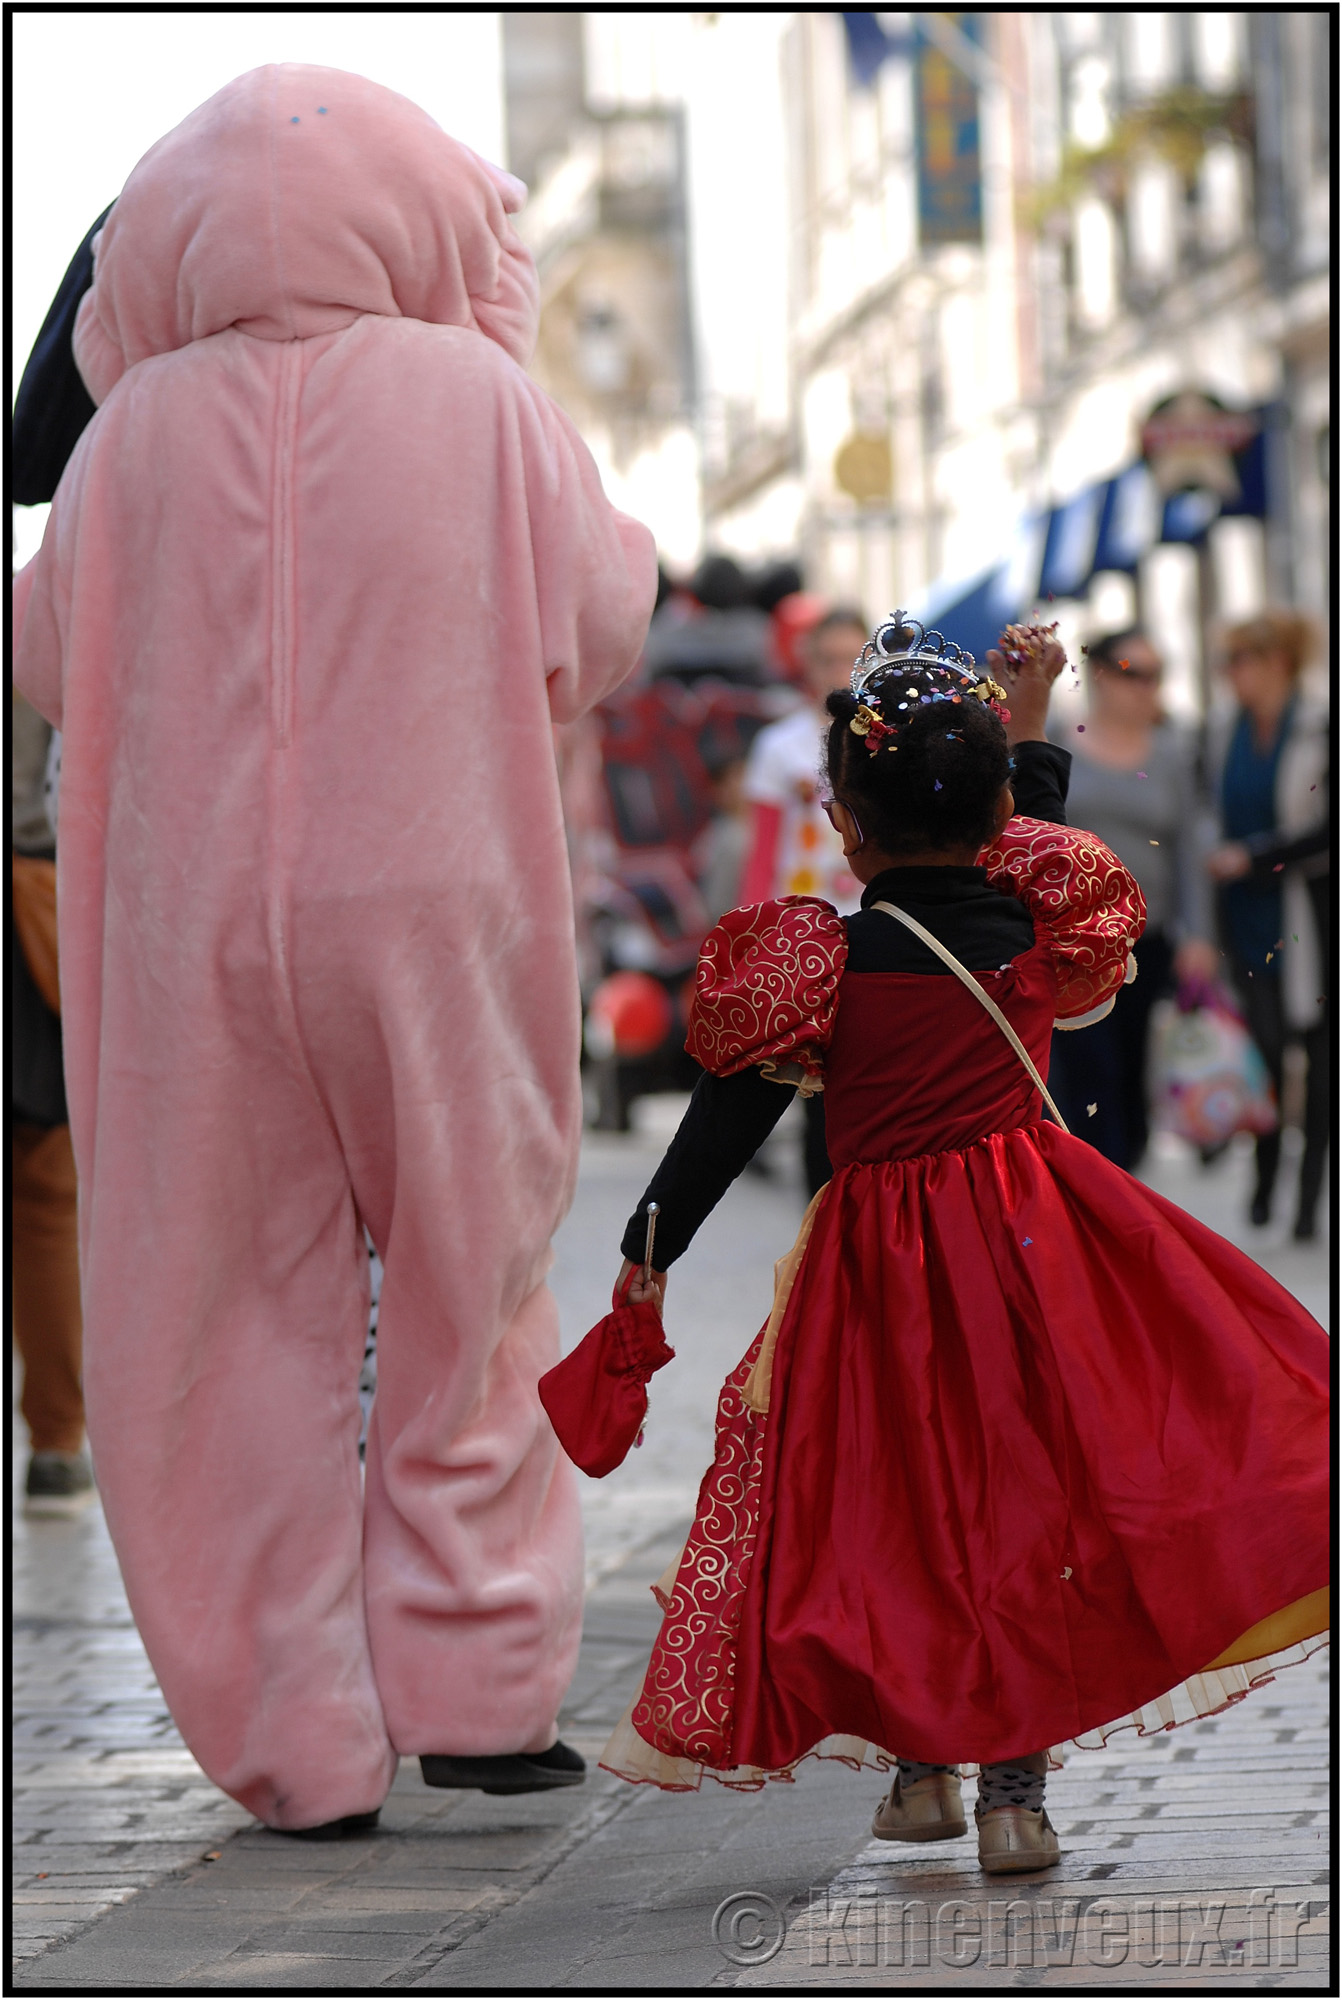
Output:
x=1042 y=1456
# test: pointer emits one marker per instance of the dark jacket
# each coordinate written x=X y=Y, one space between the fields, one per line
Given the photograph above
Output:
x=53 y=406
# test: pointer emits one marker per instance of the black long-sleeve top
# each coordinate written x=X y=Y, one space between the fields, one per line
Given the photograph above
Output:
x=1271 y=851
x=729 y=1117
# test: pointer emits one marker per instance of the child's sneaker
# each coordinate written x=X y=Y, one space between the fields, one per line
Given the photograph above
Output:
x=59 y=1484
x=929 y=1809
x=1013 y=1840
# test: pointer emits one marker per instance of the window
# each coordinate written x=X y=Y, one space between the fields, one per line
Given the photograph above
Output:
x=1216 y=50
x=1153 y=223
x=1152 y=60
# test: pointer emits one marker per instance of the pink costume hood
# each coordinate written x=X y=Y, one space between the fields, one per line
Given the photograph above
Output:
x=292 y=202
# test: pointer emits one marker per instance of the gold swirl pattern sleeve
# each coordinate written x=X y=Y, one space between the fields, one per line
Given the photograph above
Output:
x=1085 y=906
x=767 y=987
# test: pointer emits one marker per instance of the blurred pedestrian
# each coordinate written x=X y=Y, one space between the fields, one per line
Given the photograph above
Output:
x=713 y=631
x=792 y=618
x=720 y=851
x=51 y=412
x=794 y=851
x=1268 y=764
x=319 y=578
x=48 y=1328
x=1134 y=783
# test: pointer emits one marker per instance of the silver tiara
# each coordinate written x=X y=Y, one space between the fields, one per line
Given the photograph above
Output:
x=888 y=647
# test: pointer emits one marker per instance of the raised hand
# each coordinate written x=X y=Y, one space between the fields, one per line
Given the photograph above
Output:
x=1028 y=662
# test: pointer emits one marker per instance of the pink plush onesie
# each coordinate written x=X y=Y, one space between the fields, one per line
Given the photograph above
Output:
x=320 y=577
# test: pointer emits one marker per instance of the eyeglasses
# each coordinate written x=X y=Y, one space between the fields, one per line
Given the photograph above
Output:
x=1146 y=676
x=829 y=805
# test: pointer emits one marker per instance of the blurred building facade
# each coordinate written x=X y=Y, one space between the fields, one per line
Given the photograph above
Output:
x=1058 y=321
x=971 y=311
x=606 y=222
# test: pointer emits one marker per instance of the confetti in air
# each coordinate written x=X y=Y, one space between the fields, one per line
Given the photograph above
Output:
x=1091 y=1109
x=936 y=784
x=1080 y=728
x=1153 y=843
x=1026 y=1241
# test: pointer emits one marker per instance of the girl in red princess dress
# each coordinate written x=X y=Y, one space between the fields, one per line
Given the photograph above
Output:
x=1023 y=1454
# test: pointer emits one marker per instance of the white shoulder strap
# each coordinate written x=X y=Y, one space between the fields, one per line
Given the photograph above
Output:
x=966 y=978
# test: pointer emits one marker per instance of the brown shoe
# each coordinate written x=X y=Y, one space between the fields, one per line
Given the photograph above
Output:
x=928 y=1809
x=1015 y=1841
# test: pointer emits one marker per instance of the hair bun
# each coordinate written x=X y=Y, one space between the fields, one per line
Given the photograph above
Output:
x=843 y=704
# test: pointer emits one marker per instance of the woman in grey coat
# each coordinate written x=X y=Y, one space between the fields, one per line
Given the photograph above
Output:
x=1134 y=783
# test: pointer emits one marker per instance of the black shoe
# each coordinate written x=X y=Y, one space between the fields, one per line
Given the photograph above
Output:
x=532 y=1771
x=1306 y=1230
x=59 y=1485
x=333 y=1829
x=1260 y=1210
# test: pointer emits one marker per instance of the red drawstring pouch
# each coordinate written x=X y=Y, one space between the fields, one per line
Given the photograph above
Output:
x=597 y=1398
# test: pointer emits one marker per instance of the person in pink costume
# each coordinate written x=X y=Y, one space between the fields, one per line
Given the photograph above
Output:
x=319 y=578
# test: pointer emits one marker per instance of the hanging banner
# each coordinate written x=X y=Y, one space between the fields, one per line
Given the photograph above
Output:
x=868 y=46
x=950 y=188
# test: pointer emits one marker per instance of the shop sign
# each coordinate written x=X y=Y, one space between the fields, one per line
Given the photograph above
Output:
x=1190 y=441
x=863 y=468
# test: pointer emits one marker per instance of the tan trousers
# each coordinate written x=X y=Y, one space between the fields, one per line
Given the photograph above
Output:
x=48 y=1325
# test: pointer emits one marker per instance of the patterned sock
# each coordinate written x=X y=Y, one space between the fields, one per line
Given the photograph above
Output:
x=909 y=1773
x=1010 y=1785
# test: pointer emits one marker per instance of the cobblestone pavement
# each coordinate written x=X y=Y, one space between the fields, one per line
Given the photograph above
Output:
x=1198 y=1858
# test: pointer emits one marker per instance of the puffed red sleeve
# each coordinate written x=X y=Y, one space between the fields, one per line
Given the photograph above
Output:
x=1086 y=908
x=767 y=988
